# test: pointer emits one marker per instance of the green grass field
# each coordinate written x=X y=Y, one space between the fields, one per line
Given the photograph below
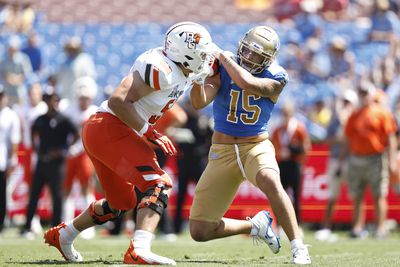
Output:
x=233 y=251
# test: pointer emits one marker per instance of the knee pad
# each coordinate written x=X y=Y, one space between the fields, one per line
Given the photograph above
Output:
x=108 y=213
x=155 y=199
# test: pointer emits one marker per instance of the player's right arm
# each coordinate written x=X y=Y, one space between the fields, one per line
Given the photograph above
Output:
x=202 y=95
x=263 y=87
x=131 y=89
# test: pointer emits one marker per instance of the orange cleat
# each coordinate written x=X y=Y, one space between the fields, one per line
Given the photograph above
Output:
x=145 y=257
x=52 y=237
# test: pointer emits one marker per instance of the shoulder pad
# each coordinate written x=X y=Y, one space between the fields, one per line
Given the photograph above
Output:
x=279 y=74
x=154 y=70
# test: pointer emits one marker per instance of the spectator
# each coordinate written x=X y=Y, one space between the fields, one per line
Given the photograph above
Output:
x=342 y=61
x=12 y=20
x=314 y=69
x=52 y=133
x=14 y=70
x=18 y=17
x=309 y=22
x=76 y=64
x=3 y=14
x=34 y=53
x=370 y=131
x=28 y=112
x=291 y=144
x=10 y=137
x=395 y=178
x=78 y=166
x=384 y=74
x=286 y=9
x=320 y=113
x=385 y=23
x=337 y=166
x=27 y=15
x=334 y=10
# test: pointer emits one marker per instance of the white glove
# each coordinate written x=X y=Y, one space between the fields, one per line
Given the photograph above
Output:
x=216 y=51
x=200 y=78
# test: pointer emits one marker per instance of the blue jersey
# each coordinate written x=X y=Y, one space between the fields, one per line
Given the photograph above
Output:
x=238 y=112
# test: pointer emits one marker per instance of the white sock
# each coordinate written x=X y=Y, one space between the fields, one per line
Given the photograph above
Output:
x=69 y=233
x=142 y=239
x=69 y=209
x=296 y=243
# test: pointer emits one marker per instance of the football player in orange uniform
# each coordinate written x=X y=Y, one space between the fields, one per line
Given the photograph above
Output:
x=122 y=159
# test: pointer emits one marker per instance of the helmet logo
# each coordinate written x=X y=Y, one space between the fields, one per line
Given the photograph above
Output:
x=192 y=39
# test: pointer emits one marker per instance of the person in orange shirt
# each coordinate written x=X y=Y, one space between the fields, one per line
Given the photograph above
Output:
x=291 y=142
x=370 y=131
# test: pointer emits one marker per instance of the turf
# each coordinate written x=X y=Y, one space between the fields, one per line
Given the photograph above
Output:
x=233 y=251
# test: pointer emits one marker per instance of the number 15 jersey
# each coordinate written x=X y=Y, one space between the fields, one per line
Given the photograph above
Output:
x=238 y=112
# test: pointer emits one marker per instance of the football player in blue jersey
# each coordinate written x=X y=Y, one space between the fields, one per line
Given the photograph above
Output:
x=245 y=90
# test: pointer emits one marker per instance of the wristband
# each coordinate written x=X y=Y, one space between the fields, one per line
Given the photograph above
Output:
x=144 y=129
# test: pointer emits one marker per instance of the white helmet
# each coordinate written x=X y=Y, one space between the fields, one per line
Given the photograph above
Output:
x=190 y=44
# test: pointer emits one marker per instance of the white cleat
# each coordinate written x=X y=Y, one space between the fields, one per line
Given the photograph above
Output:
x=262 y=229
x=301 y=256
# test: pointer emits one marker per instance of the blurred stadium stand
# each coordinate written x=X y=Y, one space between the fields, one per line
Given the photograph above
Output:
x=116 y=32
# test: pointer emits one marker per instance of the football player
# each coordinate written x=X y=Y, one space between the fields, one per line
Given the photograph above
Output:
x=123 y=160
x=245 y=90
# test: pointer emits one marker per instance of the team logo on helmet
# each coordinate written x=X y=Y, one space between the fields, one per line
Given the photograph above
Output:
x=192 y=39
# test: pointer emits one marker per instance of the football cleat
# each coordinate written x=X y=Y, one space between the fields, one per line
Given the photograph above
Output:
x=67 y=250
x=262 y=222
x=301 y=256
x=145 y=257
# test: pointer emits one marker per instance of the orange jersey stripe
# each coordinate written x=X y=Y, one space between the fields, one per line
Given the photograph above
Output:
x=155 y=79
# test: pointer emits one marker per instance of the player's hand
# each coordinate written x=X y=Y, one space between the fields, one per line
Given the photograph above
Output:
x=160 y=140
x=216 y=51
x=200 y=78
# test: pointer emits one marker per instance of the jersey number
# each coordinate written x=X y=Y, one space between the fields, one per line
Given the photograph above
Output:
x=246 y=118
x=153 y=119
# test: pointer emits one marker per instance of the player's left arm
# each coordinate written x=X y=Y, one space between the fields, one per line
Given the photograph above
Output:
x=263 y=87
x=202 y=95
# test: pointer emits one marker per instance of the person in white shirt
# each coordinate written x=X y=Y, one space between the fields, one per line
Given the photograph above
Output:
x=10 y=137
x=79 y=167
x=28 y=111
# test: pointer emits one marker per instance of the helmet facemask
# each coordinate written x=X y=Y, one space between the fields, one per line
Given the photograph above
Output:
x=257 y=49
